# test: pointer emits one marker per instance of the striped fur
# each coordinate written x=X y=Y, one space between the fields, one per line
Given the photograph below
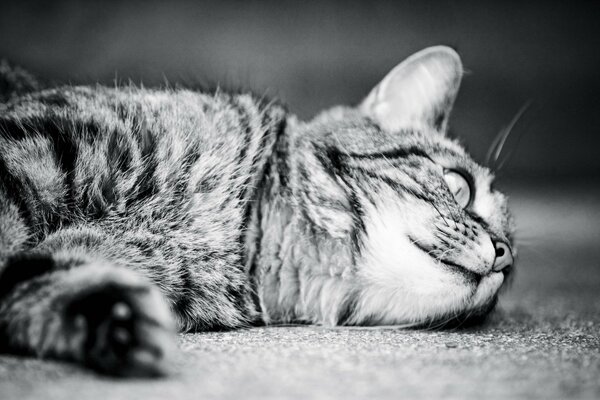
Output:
x=127 y=213
x=160 y=182
x=354 y=235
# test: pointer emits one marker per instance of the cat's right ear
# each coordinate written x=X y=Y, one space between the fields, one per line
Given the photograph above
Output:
x=417 y=93
x=15 y=81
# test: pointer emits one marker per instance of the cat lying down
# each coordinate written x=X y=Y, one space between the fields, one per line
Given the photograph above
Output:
x=127 y=214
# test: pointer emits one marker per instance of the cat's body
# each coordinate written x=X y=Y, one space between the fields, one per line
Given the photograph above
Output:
x=125 y=208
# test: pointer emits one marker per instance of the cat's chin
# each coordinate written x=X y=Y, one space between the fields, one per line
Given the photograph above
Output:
x=483 y=302
x=463 y=303
x=487 y=289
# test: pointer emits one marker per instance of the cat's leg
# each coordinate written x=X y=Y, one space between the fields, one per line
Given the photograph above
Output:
x=60 y=297
x=70 y=306
x=207 y=288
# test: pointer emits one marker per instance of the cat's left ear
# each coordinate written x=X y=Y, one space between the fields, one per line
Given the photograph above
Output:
x=419 y=92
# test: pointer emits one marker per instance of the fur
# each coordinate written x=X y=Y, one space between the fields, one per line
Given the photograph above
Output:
x=129 y=213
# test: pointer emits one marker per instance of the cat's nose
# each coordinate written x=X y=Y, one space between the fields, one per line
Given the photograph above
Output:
x=504 y=257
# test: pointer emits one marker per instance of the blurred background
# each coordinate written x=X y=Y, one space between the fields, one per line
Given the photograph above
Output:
x=316 y=54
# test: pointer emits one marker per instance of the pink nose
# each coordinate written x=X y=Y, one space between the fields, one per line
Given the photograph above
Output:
x=504 y=257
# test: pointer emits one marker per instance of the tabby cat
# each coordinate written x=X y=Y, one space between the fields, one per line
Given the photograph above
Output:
x=127 y=214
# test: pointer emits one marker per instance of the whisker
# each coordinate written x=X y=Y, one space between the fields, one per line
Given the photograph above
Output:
x=441 y=215
x=509 y=156
x=500 y=140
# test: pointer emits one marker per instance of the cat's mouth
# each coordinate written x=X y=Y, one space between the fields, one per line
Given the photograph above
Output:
x=454 y=267
x=484 y=295
x=473 y=259
x=451 y=265
x=474 y=275
x=471 y=276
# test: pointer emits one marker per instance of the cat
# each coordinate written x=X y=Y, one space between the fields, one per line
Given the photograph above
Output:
x=128 y=214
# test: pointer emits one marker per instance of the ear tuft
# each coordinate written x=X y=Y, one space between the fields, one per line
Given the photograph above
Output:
x=419 y=92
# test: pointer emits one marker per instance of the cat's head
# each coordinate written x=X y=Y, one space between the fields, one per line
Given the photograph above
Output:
x=431 y=238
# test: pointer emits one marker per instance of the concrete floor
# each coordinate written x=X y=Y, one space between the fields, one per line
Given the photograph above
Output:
x=543 y=342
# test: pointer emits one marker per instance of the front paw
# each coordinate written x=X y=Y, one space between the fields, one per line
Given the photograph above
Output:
x=128 y=330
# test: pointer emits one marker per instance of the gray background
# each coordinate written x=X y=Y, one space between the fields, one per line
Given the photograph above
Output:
x=314 y=54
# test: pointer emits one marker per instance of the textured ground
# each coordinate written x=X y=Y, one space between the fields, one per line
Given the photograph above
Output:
x=544 y=342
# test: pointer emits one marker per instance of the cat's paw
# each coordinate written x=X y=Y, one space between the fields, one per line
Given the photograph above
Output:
x=127 y=330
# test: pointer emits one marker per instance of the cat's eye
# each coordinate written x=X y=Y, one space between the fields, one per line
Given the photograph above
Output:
x=459 y=186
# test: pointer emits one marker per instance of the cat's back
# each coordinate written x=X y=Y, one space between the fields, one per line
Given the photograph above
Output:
x=95 y=152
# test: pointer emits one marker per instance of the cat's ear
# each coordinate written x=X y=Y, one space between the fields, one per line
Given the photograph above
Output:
x=419 y=92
